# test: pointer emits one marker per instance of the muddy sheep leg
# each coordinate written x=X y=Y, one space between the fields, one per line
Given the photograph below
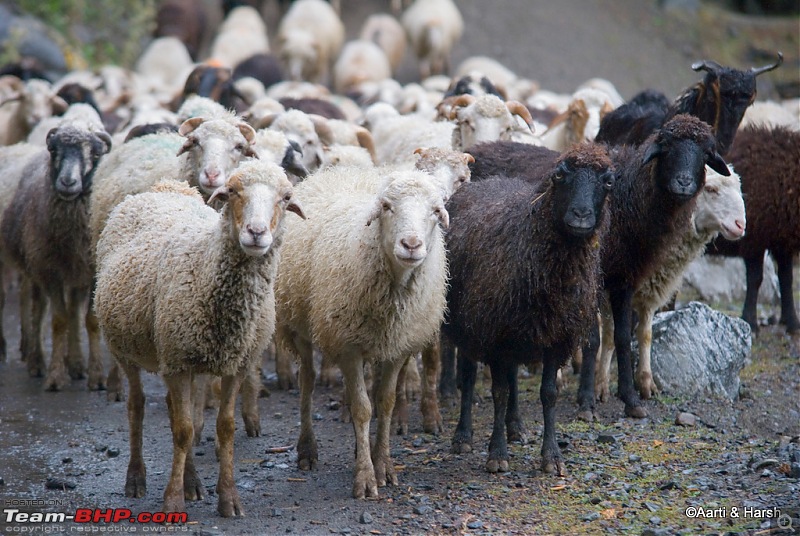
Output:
x=548 y=393
x=621 y=306
x=785 y=281
x=432 y=422
x=385 y=402
x=515 y=427
x=307 y=454
x=447 y=380
x=179 y=407
x=74 y=361
x=57 y=377
x=32 y=308
x=498 y=448
x=467 y=372
x=364 y=481
x=97 y=380
x=251 y=385
x=400 y=412
x=586 y=388
x=229 y=503
x=136 y=480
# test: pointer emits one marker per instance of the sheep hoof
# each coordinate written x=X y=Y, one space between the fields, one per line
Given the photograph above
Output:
x=287 y=383
x=252 y=426
x=586 y=415
x=497 y=466
x=402 y=429
x=174 y=503
x=115 y=395
x=637 y=412
x=433 y=425
x=77 y=372
x=229 y=504
x=459 y=447
x=96 y=383
x=35 y=372
x=55 y=382
x=365 y=485
x=554 y=467
x=192 y=487
x=135 y=485
x=516 y=433
x=384 y=471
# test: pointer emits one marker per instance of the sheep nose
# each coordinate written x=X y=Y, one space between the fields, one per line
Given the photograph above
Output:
x=582 y=212
x=740 y=225
x=411 y=244
x=256 y=230
x=212 y=174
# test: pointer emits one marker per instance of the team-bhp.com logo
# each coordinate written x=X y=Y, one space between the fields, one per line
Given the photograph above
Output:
x=94 y=515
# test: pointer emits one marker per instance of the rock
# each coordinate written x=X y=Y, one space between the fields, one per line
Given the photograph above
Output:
x=472 y=525
x=653 y=507
x=767 y=462
x=715 y=278
x=59 y=484
x=112 y=452
x=794 y=472
x=365 y=518
x=276 y=512
x=423 y=510
x=699 y=351
x=66 y=460
x=685 y=419
x=610 y=437
x=591 y=516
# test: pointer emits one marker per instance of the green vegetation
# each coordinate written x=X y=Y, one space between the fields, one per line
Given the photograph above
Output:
x=95 y=32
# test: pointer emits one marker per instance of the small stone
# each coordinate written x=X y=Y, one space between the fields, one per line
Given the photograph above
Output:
x=346 y=530
x=634 y=458
x=282 y=466
x=101 y=448
x=669 y=485
x=334 y=405
x=423 y=510
x=278 y=415
x=365 y=519
x=655 y=520
x=276 y=512
x=58 y=484
x=66 y=460
x=794 y=472
x=588 y=477
x=591 y=516
x=418 y=442
x=610 y=437
x=112 y=452
x=2 y=482
x=653 y=507
x=684 y=418
x=472 y=525
x=767 y=462
x=199 y=452
x=317 y=417
x=596 y=500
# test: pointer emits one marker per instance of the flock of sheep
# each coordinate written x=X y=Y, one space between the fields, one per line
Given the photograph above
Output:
x=475 y=212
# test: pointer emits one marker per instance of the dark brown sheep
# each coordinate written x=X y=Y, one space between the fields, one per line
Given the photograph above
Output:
x=184 y=19
x=538 y=245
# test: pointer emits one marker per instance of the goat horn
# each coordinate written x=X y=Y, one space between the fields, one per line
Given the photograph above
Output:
x=458 y=102
x=755 y=71
x=366 y=141
x=516 y=107
x=707 y=65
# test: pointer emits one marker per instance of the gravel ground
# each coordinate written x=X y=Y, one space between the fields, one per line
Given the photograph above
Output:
x=624 y=476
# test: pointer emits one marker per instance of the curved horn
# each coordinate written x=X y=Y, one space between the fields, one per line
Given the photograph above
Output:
x=458 y=102
x=323 y=129
x=755 y=71
x=706 y=65
x=105 y=138
x=516 y=107
x=264 y=122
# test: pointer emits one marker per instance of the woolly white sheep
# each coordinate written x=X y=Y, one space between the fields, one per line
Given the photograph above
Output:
x=433 y=28
x=184 y=290
x=364 y=281
x=241 y=35
x=360 y=61
x=386 y=31
x=579 y=122
x=720 y=209
x=310 y=37
x=36 y=100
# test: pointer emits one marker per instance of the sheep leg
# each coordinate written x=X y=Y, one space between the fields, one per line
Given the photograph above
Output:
x=97 y=381
x=75 y=365
x=32 y=306
x=548 y=393
x=179 y=407
x=229 y=502
x=115 y=390
x=788 y=311
x=400 y=412
x=251 y=385
x=447 y=381
x=192 y=485
x=515 y=427
x=432 y=422
x=136 y=480
x=754 y=268
x=57 y=376
x=283 y=368
x=623 y=311
x=2 y=309
x=307 y=455
x=586 y=388
x=364 y=482
x=498 y=448
x=327 y=372
x=603 y=373
x=644 y=334
x=199 y=386
x=385 y=401
x=467 y=372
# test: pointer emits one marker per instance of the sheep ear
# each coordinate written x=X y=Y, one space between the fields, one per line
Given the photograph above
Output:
x=59 y=105
x=187 y=145
x=295 y=207
x=716 y=163
x=222 y=193
x=469 y=158
x=190 y=125
x=375 y=213
x=247 y=131
x=49 y=139
x=444 y=217
x=652 y=152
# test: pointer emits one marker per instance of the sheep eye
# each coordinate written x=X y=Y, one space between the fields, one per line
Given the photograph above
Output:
x=287 y=197
x=386 y=206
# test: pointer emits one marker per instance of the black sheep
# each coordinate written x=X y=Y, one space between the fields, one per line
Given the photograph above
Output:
x=653 y=201
x=768 y=160
x=184 y=19
x=720 y=100
x=266 y=68
x=538 y=245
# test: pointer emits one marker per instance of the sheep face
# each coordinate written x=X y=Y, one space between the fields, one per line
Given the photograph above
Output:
x=682 y=149
x=255 y=207
x=449 y=168
x=409 y=211
x=720 y=206
x=579 y=194
x=216 y=148
x=486 y=118
x=74 y=154
x=299 y=53
x=38 y=102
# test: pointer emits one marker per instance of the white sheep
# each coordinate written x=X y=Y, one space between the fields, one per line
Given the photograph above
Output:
x=164 y=66
x=720 y=209
x=579 y=122
x=310 y=37
x=364 y=281
x=770 y=113
x=241 y=35
x=185 y=290
x=433 y=28
x=386 y=31
x=77 y=114
x=24 y=105
x=304 y=130
x=360 y=61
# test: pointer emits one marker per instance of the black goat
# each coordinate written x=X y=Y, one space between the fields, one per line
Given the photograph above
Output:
x=720 y=100
x=538 y=246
